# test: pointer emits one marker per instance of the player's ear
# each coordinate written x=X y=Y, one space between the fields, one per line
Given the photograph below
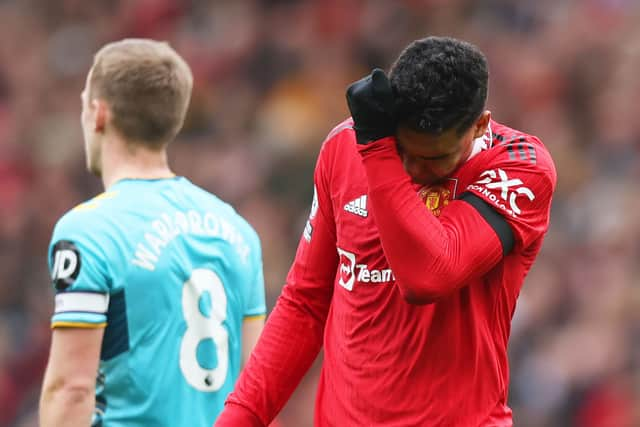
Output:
x=480 y=126
x=101 y=114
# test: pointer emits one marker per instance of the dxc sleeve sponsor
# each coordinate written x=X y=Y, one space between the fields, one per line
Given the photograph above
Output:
x=509 y=190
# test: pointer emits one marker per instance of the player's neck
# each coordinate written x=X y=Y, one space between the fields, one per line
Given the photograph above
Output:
x=121 y=161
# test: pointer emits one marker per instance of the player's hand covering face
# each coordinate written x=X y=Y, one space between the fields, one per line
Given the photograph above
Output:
x=371 y=103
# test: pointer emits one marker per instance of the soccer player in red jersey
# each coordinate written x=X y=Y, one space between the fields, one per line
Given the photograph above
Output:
x=427 y=215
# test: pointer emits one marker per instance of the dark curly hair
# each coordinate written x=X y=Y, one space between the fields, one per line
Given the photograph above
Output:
x=440 y=83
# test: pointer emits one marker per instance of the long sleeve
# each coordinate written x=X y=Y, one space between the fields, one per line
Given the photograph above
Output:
x=292 y=337
x=430 y=256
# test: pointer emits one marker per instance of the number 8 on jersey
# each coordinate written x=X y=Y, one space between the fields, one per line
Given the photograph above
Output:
x=201 y=326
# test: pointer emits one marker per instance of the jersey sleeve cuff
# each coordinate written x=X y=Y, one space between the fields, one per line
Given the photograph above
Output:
x=78 y=320
x=61 y=324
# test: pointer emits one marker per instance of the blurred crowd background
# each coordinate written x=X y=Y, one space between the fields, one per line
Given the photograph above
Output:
x=269 y=85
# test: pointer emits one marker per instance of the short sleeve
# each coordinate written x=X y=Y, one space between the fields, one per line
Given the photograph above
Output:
x=79 y=274
x=519 y=188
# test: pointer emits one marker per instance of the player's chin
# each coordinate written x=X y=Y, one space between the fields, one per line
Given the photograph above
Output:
x=425 y=180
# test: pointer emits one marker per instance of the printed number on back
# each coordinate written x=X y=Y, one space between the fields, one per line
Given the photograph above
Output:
x=201 y=326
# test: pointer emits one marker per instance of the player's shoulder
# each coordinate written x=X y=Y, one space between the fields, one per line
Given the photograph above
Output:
x=511 y=148
x=343 y=130
x=206 y=200
x=81 y=234
x=512 y=171
x=519 y=146
x=339 y=146
x=88 y=216
x=210 y=202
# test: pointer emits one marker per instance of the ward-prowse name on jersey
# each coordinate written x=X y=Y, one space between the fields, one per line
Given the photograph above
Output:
x=167 y=227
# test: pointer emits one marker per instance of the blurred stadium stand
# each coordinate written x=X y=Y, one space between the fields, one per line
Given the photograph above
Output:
x=269 y=84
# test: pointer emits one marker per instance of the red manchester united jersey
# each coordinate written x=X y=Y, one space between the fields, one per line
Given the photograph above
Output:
x=410 y=289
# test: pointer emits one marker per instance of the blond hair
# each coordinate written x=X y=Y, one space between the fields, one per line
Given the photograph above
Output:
x=147 y=86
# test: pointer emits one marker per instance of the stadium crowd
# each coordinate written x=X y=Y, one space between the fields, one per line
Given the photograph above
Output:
x=269 y=85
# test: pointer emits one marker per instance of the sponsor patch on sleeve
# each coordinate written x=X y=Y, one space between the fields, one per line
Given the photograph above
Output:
x=502 y=191
x=66 y=264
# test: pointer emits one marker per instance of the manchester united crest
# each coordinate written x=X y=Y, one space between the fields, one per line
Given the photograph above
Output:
x=436 y=197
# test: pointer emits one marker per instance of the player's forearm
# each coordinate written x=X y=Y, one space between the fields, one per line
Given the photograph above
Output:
x=235 y=415
x=287 y=347
x=430 y=257
x=66 y=404
x=292 y=336
x=431 y=260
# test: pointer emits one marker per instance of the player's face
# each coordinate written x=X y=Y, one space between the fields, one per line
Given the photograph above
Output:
x=91 y=142
x=428 y=159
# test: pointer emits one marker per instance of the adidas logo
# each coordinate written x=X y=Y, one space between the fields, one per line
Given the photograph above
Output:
x=358 y=206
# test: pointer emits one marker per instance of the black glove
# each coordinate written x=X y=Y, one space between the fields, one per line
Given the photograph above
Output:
x=371 y=103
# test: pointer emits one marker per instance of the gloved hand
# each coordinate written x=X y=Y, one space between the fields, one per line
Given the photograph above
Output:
x=371 y=103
